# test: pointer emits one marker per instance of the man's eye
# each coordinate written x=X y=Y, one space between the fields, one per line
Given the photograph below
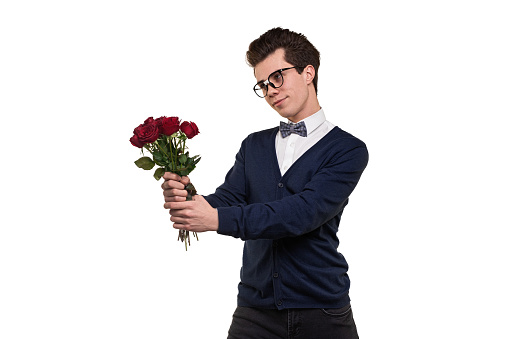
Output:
x=262 y=86
x=277 y=76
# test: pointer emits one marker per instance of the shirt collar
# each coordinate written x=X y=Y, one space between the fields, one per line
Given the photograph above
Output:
x=313 y=121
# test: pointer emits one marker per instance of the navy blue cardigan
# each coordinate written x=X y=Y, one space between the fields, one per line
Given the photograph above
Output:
x=289 y=223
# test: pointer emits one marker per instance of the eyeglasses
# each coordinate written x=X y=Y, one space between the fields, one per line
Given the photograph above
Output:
x=275 y=80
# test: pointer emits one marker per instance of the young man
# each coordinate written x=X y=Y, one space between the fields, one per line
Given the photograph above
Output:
x=284 y=196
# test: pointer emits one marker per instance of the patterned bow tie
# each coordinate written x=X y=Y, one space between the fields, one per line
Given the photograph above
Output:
x=287 y=129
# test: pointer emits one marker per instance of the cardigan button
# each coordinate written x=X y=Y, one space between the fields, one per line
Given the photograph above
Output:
x=279 y=302
x=280 y=185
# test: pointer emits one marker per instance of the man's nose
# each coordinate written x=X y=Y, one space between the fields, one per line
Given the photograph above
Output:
x=271 y=91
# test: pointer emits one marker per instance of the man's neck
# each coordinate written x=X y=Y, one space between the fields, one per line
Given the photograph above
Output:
x=308 y=111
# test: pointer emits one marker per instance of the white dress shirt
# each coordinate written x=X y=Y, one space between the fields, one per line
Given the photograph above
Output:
x=289 y=149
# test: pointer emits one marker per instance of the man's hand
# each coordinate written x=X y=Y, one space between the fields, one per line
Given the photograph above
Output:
x=194 y=216
x=174 y=188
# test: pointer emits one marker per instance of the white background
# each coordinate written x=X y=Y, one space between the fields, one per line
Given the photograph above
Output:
x=86 y=249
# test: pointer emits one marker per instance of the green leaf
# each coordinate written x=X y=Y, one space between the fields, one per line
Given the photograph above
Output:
x=159 y=173
x=145 y=162
x=157 y=156
x=196 y=159
x=161 y=163
x=183 y=158
x=162 y=145
x=159 y=159
x=170 y=167
x=191 y=162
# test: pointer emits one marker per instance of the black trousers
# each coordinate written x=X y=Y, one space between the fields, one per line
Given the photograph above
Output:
x=301 y=323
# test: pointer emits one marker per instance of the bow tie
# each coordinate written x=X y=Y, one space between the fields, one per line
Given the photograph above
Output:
x=287 y=129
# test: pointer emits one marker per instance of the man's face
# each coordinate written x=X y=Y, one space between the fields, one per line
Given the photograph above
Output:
x=292 y=99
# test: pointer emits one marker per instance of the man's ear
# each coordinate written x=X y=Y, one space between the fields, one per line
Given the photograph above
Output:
x=309 y=71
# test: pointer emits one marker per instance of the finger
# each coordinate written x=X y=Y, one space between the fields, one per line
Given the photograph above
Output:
x=183 y=214
x=170 y=192
x=171 y=176
x=168 y=184
x=168 y=200
x=174 y=198
x=177 y=220
x=178 y=205
x=180 y=226
x=168 y=204
x=182 y=222
x=185 y=180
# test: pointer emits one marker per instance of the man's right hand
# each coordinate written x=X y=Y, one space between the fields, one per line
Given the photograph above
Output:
x=174 y=188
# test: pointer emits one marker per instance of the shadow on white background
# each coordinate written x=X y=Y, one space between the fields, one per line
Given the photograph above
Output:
x=86 y=248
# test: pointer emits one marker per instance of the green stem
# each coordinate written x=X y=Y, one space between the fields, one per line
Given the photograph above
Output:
x=170 y=144
x=157 y=144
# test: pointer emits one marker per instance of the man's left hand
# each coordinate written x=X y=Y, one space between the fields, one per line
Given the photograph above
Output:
x=194 y=216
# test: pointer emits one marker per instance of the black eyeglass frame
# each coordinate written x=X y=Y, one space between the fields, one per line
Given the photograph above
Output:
x=267 y=82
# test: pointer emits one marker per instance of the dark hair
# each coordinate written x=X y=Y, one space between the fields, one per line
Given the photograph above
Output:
x=298 y=50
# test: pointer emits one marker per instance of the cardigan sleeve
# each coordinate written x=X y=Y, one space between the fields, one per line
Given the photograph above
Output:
x=324 y=196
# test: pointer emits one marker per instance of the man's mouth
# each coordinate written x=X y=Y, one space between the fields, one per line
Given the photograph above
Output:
x=278 y=102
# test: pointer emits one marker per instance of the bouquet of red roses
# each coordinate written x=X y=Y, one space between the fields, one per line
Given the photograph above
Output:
x=165 y=139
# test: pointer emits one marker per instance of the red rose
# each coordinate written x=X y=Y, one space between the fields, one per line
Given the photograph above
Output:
x=148 y=121
x=189 y=128
x=145 y=133
x=169 y=125
x=135 y=141
x=159 y=121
